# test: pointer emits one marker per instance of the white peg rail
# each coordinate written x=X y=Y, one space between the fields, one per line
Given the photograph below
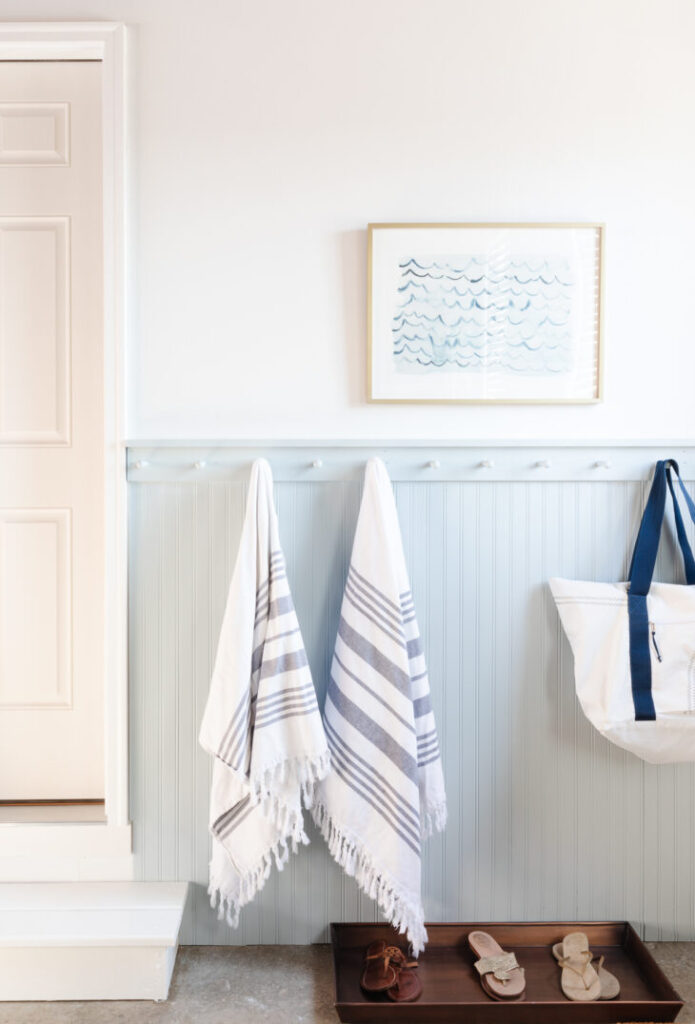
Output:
x=150 y=462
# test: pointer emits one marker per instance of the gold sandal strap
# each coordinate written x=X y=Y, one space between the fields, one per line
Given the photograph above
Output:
x=498 y=966
x=564 y=962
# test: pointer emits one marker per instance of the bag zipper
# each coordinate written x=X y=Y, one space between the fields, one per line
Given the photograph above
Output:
x=691 y=673
x=656 y=646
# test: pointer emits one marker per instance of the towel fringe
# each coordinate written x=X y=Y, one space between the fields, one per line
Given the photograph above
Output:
x=307 y=771
x=433 y=819
x=287 y=818
x=230 y=902
x=400 y=910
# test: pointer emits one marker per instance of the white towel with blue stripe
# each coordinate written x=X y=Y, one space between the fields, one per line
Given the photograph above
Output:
x=261 y=722
x=385 y=792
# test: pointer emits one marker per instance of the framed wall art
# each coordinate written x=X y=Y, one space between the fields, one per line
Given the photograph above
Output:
x=485 y=312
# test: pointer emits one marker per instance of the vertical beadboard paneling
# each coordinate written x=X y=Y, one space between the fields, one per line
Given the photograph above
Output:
x=452 y=696
x=463 y=765
x=547 y=820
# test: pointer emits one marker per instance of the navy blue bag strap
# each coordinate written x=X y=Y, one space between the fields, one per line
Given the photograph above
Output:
x=640 y=578
x=680 y=528
x=647 y=543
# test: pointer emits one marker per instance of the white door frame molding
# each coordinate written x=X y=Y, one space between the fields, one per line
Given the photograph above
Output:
x=78 y=851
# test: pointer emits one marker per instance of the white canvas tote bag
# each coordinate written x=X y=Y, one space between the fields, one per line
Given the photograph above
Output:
x=634 y=642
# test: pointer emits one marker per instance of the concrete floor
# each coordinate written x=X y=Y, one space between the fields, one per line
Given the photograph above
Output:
x=267 y=985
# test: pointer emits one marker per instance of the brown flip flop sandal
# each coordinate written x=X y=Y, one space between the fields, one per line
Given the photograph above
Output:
x=610 y=986
x=579 y=980
x=500 y=974
x=408 y=986
x=379 y=973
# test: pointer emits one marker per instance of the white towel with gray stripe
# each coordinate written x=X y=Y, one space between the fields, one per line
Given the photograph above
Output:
x=261 y=722
x=385 y=792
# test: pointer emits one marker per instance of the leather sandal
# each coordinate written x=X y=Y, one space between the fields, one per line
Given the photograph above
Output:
x=379 y=973
x=500 y=974
x=610 y=986
x=579 y=981
x=408 y=986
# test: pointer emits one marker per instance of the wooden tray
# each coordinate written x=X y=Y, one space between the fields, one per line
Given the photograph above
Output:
x=451 y=987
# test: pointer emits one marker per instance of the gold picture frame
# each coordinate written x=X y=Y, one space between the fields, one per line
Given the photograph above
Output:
x=578 y=367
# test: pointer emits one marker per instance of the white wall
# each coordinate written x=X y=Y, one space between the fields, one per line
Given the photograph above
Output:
x=268 y=133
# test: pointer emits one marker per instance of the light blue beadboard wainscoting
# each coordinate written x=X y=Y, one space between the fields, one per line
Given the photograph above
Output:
x=546 y=819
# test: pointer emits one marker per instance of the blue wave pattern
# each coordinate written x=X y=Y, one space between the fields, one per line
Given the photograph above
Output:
x=483 y=313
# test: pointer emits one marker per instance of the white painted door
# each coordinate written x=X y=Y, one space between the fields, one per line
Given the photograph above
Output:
x=51 y=432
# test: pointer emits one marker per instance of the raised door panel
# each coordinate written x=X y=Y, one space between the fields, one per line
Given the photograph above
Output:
x=34 y=330
x=34 y=134
x=35 y=608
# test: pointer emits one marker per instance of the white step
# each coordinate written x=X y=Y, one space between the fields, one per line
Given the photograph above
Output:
x=89 y=940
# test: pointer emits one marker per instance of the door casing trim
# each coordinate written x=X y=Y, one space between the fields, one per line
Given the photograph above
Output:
x=108 y=853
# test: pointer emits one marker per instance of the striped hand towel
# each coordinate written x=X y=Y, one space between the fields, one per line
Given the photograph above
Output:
x=386 y=788
x=261 y=722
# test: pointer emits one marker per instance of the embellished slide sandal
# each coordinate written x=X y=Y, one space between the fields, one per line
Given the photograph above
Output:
x=610 y=986
x=579 y=981
x=500 y=974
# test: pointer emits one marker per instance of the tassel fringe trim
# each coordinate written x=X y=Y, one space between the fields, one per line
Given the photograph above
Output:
x=305 y=771
x=401 y=910
x=433 y=819
x=229 y=902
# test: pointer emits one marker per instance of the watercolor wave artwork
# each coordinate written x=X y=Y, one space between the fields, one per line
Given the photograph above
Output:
x=481 y=313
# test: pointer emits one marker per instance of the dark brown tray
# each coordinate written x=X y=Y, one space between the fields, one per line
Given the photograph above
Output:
x=451 y=987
